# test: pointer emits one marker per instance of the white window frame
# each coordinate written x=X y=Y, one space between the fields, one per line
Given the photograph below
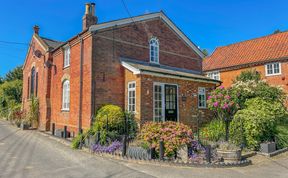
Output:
x=67 y=56
x=273 y=69
x=162 y=85
x=202 y=91
x=66 y=95
x=154 y=45
x=128 y=96
x=214 y=75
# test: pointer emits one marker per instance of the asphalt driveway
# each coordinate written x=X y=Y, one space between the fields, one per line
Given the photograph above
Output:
x=31 y=154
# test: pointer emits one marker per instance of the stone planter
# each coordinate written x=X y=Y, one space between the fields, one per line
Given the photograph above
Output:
x=268 y=147
x=229 y=155
x=24 y=126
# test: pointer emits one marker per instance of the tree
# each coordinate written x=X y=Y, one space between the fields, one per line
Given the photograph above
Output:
x=276 y=31
x=15 y=74
x=1 y=80
x=205 y=52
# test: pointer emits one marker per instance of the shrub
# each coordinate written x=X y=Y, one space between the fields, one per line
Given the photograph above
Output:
x=242 y=91
x=113 y=117
x=214 y=131
x=248 y=75
x=116 y=145
x=281 y=136
x=33 y=113
x=257 y=122
x=77 y=140
x=173 y=134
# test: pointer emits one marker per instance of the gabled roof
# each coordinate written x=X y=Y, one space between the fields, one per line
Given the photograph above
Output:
x=140 y=67
x=161 y=15
x=255 y=51
x=51 y=43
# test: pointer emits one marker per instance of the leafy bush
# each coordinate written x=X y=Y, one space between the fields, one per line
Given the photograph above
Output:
x=282 y=136
x=33 y=113
x=257 y=122
x=242 y=91
x=214 y=131
x=112 y=117
x=248 y=75
x=173 y=134
x=77 y=140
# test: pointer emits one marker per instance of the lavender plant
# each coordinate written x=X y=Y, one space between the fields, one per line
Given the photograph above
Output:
x=114 y=146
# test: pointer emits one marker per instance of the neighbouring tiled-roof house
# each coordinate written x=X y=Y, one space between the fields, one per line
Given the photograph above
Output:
x=267 y=55
x=145 y=65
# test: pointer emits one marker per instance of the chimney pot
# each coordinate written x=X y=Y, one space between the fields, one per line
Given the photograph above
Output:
x=89 y=17
x=36 y=29
x=87 y=8
x=93 y=9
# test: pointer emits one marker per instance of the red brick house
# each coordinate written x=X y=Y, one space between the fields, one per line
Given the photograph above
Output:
x=145 y=65
x=268 y=55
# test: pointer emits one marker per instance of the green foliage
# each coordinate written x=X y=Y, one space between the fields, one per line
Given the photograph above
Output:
x=282 y=136
x=33 y=114
x=205 y=52
x=77 y=140
x=15 y=74
x=257 y=122
x=1 y=80
x=112 y=117
x=214 y=131
x=242 y=91
x=173 y=134
x=10 y=96
x=248 y=75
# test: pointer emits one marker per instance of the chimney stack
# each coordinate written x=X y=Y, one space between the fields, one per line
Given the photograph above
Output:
x=89 y=17
x=36 y=29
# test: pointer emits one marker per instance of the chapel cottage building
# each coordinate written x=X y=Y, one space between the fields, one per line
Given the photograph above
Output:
x=143 y=64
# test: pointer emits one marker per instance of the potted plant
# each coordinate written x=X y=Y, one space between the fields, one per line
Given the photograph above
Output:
x=228 y=152
x=268 y=147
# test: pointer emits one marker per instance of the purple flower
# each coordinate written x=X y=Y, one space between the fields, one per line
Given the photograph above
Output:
x=215 y=104
x=221 y=87
x=107 y=149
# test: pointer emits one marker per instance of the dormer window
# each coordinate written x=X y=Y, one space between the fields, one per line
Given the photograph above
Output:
x=154 y=50
x=67 y=56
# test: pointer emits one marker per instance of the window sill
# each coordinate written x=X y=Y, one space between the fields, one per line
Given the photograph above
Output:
x=202 y=108
x=269 y=75
x=65 y=67
x=65 y=110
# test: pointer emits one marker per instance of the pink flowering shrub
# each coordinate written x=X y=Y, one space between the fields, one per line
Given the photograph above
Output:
x=221 y=102
x=173 y=134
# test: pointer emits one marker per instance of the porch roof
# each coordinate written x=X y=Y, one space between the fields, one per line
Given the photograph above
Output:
x=140 y=67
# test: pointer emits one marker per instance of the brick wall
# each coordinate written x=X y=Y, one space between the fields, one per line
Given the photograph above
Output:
x=188 y=107
x=111 y=44
x=71 y=118
x=43 y=83
x=227 y=77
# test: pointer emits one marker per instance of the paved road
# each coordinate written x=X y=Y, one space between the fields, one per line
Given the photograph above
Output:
x=28 y=154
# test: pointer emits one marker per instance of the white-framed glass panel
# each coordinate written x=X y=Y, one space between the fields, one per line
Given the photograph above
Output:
x=66 y=95
x=273 y=69
x=132 y=96
x=201 y=97
x=214 y=75
x=67 y=57
x=158 y=95
x=154 y=50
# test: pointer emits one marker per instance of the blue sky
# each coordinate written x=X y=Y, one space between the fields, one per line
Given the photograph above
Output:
x=208 y=23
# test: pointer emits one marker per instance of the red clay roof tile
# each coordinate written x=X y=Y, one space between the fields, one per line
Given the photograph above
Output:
x=256 y=50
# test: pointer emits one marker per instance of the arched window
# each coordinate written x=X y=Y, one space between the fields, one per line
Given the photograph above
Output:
x=154 y=50
x=32 y=83
x=66 y=95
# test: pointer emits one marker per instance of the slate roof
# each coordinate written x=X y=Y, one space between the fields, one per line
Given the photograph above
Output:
x=255 y=51
x=51 y=43
x=145 y=68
